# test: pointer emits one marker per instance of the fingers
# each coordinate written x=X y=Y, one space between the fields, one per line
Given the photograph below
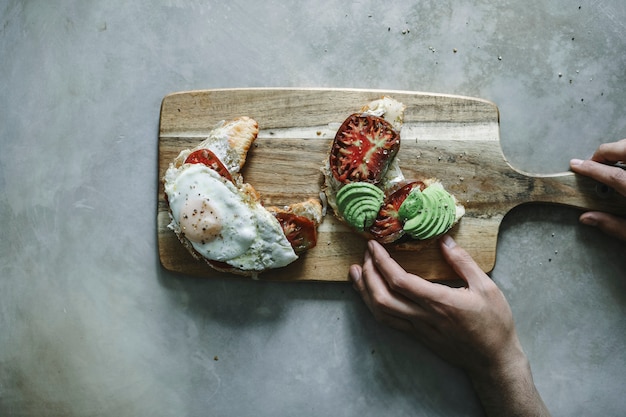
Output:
x=461 y=262
x=385 y=314
x=356 y=275
x=609 y=224
x=612 y=176
x=383 y=261
x=377 y=295
x=396 y=278
x=610 y=153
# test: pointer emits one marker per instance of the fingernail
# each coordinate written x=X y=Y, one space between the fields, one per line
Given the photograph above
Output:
x=353 y=272
x=575 y=162
x=588 y=220
x=448 y=241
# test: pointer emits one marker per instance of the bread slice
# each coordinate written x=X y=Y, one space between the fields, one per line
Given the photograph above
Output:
x=311 y=209
x=392 y=111
x=230 y=141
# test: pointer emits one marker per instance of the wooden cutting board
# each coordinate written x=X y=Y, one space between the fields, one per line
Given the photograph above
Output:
x=452 y=138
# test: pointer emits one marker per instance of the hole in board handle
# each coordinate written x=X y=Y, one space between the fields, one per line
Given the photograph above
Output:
x=603 y=191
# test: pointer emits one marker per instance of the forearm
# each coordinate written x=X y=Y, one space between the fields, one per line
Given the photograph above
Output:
x=509 y=391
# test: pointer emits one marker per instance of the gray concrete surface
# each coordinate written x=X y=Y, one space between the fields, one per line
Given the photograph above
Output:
x=90 y=324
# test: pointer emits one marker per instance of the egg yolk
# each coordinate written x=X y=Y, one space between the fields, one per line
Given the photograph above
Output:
x=199 y=221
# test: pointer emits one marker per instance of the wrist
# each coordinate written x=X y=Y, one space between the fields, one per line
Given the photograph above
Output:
x=495 y=363
x=508 y=365
x=506 y=387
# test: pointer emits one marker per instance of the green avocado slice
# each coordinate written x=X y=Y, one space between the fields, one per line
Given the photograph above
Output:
x=356 y=190
x=417 y=225
x=359 y=203
x=441 y=226
x=411 y=205
x=436 y=215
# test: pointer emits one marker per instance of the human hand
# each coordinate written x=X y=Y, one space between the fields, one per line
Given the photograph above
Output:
x=471 y=327
x=601 y=168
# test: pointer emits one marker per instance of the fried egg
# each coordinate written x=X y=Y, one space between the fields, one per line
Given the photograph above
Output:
x=222 y=222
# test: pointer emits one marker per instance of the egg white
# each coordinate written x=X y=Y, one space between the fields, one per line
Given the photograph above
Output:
x=250 y=239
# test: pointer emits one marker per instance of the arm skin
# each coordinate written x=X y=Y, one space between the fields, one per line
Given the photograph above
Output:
x=600 y=168
x=471 y=327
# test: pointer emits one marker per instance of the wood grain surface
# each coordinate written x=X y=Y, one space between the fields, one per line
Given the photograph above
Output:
x=452 y=138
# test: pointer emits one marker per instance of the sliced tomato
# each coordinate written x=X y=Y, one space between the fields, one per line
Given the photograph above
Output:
x=387 y=227
x=299 y=230
x=363 y=148
x=208 y=158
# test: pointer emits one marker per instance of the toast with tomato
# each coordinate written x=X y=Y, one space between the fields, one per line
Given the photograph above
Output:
x=221 y=220
x=365 y=187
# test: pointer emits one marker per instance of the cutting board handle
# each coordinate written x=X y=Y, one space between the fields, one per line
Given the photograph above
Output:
x=576 y=190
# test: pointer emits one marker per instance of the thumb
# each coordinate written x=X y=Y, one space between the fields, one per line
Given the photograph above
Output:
x=612 y=176
x=608 y=223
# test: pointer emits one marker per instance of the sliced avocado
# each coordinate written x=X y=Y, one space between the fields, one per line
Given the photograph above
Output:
x=426 y=229
x=441 y=226
x=366 y=213
x=356 y=189
x=417 y=224
x=436 y=216
x=445 y=214
x=411 y=205
x=359 y=203
x=440 y=198
x=448 y=217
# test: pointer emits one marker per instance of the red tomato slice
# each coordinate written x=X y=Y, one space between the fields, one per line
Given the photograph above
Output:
x=387 y=227
x=363 y=148
x=208 y=158
x=299 y=230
